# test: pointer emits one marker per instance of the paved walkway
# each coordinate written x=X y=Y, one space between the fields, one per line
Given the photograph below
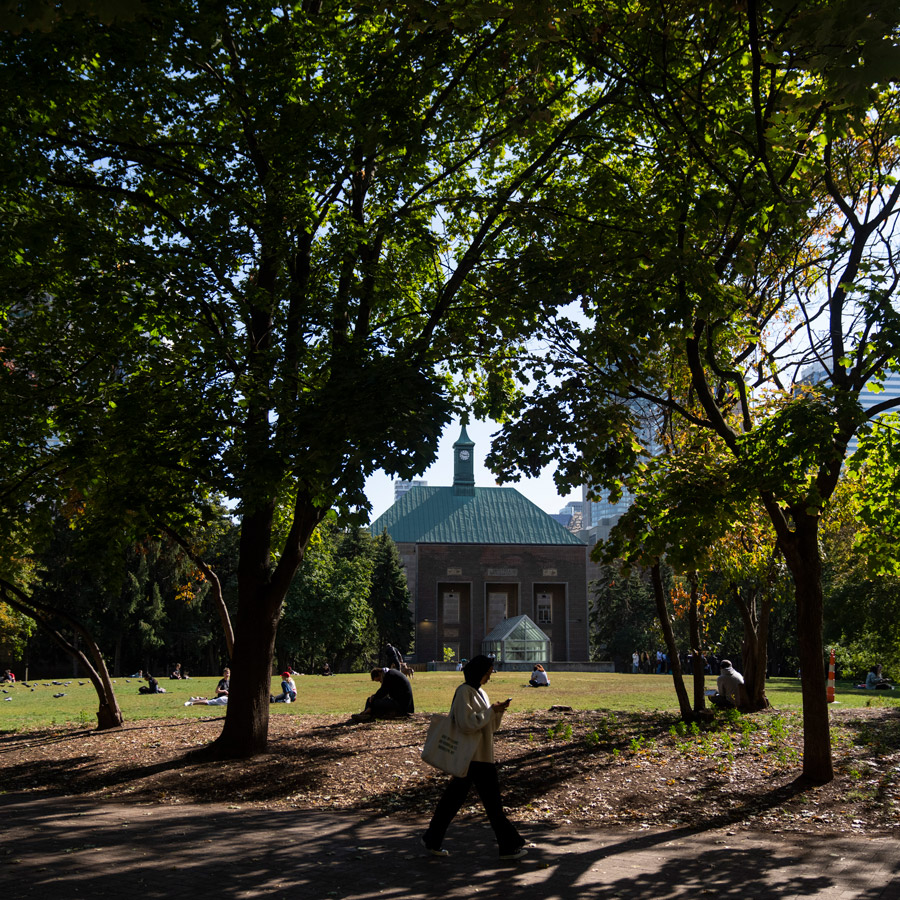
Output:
x=62 y=848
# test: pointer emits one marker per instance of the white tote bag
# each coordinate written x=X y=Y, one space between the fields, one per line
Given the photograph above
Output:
x=447 y=748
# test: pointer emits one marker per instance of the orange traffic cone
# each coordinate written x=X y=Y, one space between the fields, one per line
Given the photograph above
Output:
x=829 y=691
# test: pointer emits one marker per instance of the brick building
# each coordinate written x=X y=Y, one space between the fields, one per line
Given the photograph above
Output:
x=476 y=556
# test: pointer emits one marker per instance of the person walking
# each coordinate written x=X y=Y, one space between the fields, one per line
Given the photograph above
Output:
x=475 y=714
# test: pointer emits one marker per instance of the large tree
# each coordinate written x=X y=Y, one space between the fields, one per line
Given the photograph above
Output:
x=242 y=248
x=740 y=232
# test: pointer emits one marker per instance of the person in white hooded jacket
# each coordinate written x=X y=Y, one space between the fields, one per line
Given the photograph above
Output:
x=475 y=714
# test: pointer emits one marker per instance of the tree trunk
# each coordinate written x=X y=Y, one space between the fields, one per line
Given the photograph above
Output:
x=108 y=713
x=802 y=556
x=662 y=610
x=696 y=657
x=754 y=649
x=246 y=728
x=261 y=592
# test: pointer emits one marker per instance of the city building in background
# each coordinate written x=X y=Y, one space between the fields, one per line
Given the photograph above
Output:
x=401 y=486
x=868 y=398
x=571 y=516
x=599 y=515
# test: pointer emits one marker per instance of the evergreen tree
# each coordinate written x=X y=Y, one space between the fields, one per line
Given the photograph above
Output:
x=623 y=616
x=327 y=616
x=389 y=596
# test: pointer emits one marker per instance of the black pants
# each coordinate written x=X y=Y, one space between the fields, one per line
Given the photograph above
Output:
x=385 y=708
x=484 y=777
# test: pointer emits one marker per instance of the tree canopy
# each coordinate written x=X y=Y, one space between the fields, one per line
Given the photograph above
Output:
x=244 y=257
x=729 y=230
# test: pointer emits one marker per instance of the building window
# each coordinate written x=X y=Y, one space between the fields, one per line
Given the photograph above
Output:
x=496 y=608
x=451 y=607
x=544 y=609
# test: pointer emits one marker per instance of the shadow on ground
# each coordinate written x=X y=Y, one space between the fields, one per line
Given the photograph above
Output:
x=69 y=847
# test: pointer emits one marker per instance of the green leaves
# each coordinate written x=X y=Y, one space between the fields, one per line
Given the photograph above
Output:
x=874 y=495
x=267 y=227
x=784 y=453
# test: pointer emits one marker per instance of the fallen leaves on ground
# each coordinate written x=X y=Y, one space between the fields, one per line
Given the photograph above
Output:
x=581 y=768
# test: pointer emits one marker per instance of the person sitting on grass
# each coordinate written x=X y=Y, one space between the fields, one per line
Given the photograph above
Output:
x=730 y=687
x=151 y=687
x=7 y=677
x=221 y=698
x=224 y=683
x=875 y=681
x=288 y=690
x=392 y=700
x=539 y=677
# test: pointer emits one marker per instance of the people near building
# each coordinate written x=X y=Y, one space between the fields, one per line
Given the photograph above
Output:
x=539 y=677
x=7 y=677
x=288 y=689
x=176 y=674
x=392 y=700
x=460 y=665
x=635 y=662
x=729 y=687
x=475 y=714
x=876 y=681
x=224 y=684
x=151 y=687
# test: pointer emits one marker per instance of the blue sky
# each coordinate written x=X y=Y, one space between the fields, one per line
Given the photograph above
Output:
x=541 y=491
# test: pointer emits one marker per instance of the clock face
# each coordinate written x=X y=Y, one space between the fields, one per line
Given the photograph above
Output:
x=463 y=455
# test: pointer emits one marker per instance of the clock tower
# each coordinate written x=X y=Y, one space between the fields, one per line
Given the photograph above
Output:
x=464 y=465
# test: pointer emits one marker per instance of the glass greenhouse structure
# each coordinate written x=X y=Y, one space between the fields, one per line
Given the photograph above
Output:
x=517 y=640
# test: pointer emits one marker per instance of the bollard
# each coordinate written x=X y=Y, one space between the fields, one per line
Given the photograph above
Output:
x=829 y=691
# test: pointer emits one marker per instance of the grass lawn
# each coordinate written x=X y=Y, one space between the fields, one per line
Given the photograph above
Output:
x=22 y=708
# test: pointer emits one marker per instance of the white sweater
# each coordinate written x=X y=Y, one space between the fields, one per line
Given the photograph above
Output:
x=473 y=713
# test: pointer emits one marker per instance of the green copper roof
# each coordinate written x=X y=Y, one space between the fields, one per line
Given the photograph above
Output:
x=438 y=515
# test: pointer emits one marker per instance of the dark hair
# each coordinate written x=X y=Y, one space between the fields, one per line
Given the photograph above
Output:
x=376 y=673
x=476 y=668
